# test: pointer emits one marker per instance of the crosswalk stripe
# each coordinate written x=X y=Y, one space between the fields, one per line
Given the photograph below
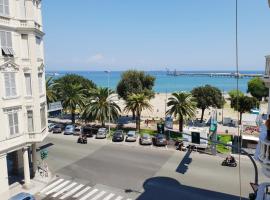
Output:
x=71 y=192
x=109 y=196
x=89 y=194
x=99 y=195
x=51 y=185
x=57 y=188
x=81 y=192
x=64 y=189
x=119 y=198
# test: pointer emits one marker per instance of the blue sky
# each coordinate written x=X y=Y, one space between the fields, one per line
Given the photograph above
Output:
x=154 y=34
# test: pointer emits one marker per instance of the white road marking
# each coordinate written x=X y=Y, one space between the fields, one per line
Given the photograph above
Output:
x=57 y=188
x=51 y=185
x=71 y=192
x=99 y=195
x=64 y=189
x=119 y=198
x=81 y=192
x=89 y=194
x=129 y=199
x=109 y=196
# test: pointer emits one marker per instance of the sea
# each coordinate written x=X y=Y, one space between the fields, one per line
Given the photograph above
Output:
x=165 y=83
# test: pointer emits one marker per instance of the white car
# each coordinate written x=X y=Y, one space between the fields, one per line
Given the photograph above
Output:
x=131 y=136
x=102 y=133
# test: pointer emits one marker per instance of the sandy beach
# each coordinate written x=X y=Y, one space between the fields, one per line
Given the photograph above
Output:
x=159 y=106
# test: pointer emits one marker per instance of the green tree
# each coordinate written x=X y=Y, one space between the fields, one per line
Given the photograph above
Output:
x=71 y=96
x=138 y=102
x=243 y=104
x=135 y=82
x=50 y=90
x=257 y=89
x=181 y=105
x=208 y=96
x=75 y=79
x=234 y=93
x=100 y=106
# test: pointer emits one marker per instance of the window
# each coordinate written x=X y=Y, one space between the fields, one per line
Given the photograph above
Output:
x=13 y=122
x=28 y=84
x=43 y=116
x=6 y=43
x=24 y=47
x=30 y=121
x=10 y=84
x=40 y=83
x=38 y=46
x=4 y=7
x=22 y=8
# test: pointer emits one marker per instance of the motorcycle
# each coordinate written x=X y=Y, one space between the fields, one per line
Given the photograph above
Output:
x=229 y=163
x=82 y=140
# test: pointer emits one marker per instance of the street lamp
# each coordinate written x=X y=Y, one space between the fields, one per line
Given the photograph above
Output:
x=108 y=73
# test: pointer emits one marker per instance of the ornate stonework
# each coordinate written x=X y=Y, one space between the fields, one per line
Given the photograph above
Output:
x=9 y=66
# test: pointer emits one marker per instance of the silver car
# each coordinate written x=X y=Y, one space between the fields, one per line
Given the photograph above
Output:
x=69 y=130
x=145 y=139
x=131 y=136
x=102 y=133
x=78 y=130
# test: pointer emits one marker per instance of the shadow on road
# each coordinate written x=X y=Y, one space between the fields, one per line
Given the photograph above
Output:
x=45 y=146
x=183 y=166
x=167 y=188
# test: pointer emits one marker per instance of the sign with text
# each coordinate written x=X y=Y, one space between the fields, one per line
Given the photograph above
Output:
x=55 y=106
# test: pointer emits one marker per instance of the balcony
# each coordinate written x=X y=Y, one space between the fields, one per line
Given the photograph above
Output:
x=30 y=25
x=4 y=20
x=263 y=151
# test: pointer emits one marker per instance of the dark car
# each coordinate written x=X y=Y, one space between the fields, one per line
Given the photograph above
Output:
x=87 y=131
x=118 y=136
x=58 y=128
x=160 y=140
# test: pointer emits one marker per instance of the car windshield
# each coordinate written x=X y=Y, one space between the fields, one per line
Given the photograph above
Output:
x=160 y=136
x=146 y=136
x=131 y=134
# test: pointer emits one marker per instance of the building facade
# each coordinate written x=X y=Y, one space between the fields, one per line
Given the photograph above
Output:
x=23 y=118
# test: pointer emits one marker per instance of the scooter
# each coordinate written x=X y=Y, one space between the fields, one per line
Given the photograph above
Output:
x=228 y=163
x=82 y=140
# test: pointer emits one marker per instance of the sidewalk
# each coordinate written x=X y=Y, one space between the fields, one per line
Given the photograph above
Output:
x=36 y=185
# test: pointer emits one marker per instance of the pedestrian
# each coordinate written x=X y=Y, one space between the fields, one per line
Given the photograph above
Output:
x=267 y=124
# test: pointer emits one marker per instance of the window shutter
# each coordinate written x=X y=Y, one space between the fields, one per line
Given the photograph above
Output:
x=9 y=40
x=7 y=84
x=30 y=121
x=6 y=3
x=1 y=7
x=13 y=84
x=3 y=38
x=22 y=8
x=25 y=50
x=28 y=84
x=11 y=124
x=40 y=83
x=16 y=122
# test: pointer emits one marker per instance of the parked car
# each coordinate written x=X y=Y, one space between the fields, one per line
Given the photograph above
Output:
x=23 y=196
x=160 y=140
x=131 y=136
x=102 y=133
x=58 y=128
x=78 y=130
x=118 y=136
x=69 y=130
x=50 y=126
x=145 y=139
x=87 y=130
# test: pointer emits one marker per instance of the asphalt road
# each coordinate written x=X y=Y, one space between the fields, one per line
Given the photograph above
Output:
x=146 y=173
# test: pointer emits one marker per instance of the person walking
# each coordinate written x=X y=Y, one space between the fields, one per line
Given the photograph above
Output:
x=267 y=124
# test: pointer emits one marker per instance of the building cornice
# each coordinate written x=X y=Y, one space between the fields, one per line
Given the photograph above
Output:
x=9 y=66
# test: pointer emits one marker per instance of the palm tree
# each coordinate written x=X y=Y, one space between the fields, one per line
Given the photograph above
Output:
x=182 y=105
x=100 y=106
x=138 y=102
x=72 y=96
x=50 y=90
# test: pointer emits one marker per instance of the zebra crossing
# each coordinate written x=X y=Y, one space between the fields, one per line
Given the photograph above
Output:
x=62 y=189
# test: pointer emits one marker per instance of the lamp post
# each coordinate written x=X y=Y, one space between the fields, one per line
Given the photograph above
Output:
x=108 y=73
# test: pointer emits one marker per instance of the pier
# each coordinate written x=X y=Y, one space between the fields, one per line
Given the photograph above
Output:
x=213 y=74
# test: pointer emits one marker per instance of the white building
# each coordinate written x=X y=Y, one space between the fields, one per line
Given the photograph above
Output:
x=23 y=119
